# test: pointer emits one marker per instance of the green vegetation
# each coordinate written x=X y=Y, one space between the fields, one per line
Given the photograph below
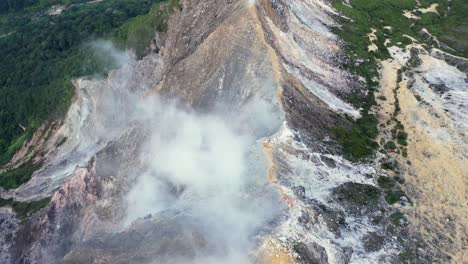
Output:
x=404 y=153
x=358 y=194
x=393 y=196
x=138 y=32
x=14 y=146
x=390 y=145
x=397 y=217
x=357 y=142
x=388 y=165
x=392 y=191
x=14 y=178
x=402 y=137
x=399 y=134
x=398 y=179
x=450 y=27
x=24 y=209
x=14 y=5
x=42 y=53
x=385 y=182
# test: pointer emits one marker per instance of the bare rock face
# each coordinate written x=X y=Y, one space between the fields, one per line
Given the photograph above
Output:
x=89 y=205
x=228 y=66
x=52 y=232
x=161 y=239
x=8 y=226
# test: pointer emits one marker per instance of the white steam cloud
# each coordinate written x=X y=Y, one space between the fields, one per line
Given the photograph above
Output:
x=213 y=169
x=209 y=167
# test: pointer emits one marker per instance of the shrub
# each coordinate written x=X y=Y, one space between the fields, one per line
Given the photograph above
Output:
x=14 y=178
x=397 y=218
x=402 y=137
x=358 y=194
x=390 y=145
x=393 y=196
x=25 y=209
x=385 y=182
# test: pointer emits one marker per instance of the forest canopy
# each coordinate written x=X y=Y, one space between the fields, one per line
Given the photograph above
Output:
x=41 y=51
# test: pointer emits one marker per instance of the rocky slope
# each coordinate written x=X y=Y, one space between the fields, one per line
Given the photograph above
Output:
x=218 y=149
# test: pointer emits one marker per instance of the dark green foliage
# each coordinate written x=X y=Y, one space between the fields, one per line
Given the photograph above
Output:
x=14 y=5
x=389 y=185
x=358 y=194
x=42 y=53
x=405 y=257
x=367 y=14
x=388 y=165
x=450 y=27
x=397 y=105
x=390 y=145
x=14 y=146
x=402 y=137
x=399 y=126
x=14 y=178
x=418 y=97
x=385 y=182
x=404 y=153
x=393 y=196
x=398 y=179
x=138 y=32
x=397 y=218
x=25 y=209
x=394 y=133
x=357 y=142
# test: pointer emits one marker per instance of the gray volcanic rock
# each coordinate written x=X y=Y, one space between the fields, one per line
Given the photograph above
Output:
x=165 y=238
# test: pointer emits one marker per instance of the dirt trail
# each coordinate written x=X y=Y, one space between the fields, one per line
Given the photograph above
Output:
x=437 y=177
x=431 y=9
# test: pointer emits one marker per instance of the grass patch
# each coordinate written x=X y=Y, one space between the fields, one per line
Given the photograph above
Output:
x=25 y=209
x=14 y=178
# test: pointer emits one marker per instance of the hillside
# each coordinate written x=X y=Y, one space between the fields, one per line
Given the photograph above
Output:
x=266 y=131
